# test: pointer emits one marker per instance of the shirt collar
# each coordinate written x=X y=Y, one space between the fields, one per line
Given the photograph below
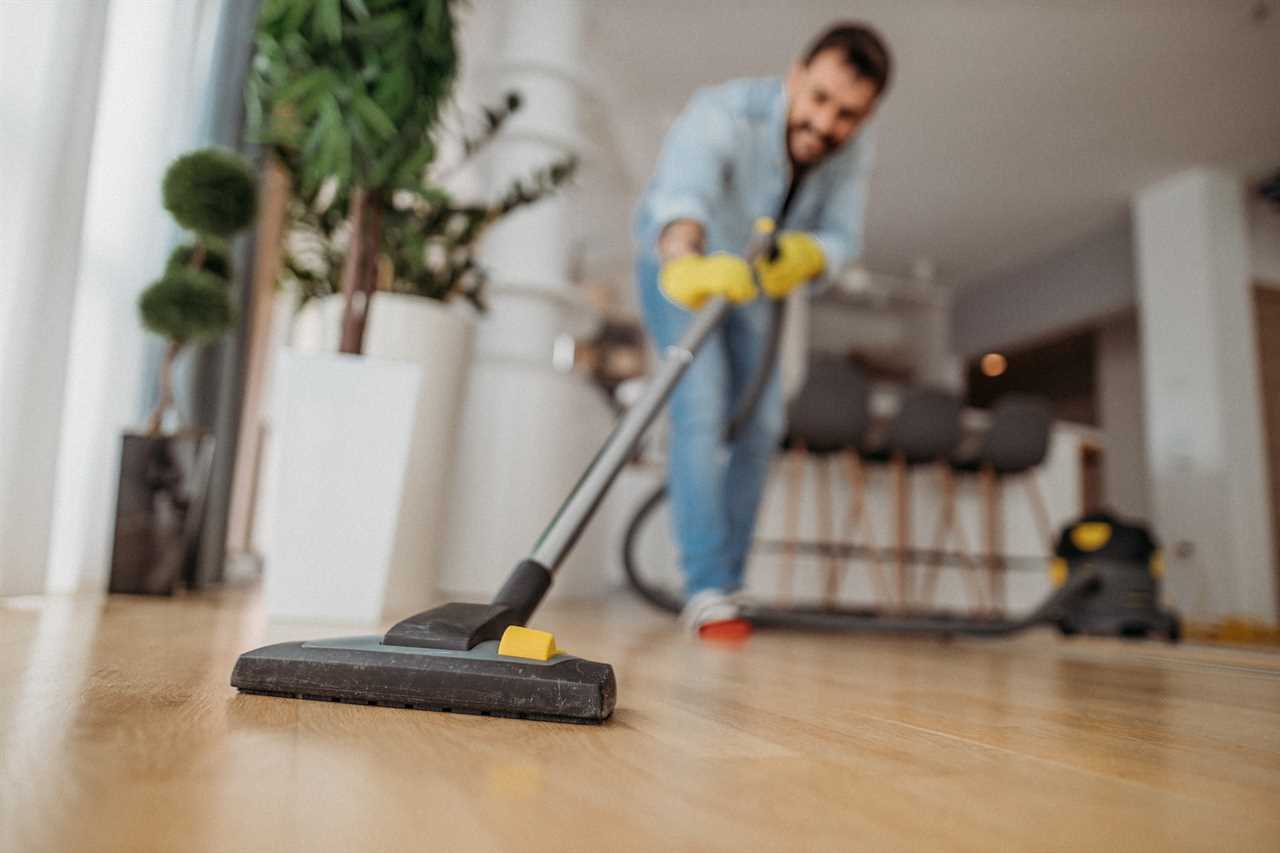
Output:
x=778 y=127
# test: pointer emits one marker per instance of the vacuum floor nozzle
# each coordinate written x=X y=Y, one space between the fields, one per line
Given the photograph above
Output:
x=367 y=671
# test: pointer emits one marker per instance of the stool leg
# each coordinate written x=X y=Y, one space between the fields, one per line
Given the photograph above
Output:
x=902 y=500
x=1031 y=483
x=946 y=521
x=825 y=531
x=970 y=567
x=859 y=522
x=993 y=545
x=791 y=521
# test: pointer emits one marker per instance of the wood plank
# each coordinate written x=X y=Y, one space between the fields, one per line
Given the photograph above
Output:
x=118 y=731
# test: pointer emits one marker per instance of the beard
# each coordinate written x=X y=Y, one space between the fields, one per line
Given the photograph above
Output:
x=805 y=130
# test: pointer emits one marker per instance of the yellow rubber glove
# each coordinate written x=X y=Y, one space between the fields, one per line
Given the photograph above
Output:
x=690 y=280
x=799 y=260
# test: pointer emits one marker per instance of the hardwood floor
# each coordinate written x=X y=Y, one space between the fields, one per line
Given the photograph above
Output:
x=118 y=731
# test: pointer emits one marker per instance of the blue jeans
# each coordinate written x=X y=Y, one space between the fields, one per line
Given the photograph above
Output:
x=715 y=486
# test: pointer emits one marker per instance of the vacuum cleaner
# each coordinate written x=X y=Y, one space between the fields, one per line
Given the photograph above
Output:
x=1128 y=564
x=481 y=658
x=1106 y=571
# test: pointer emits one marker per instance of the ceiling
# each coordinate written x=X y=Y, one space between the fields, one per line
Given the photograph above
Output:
x=1013 y=127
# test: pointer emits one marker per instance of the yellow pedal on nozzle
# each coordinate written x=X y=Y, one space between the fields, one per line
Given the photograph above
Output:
x=527 y=643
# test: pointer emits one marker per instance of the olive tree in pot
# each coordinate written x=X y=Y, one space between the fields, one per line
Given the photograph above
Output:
x=164 y=470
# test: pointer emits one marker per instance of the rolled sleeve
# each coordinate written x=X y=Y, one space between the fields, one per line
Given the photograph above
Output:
x=667 y=208
x=689 y=175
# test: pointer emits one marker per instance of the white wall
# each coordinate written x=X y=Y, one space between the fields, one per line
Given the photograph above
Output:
x=1078 y=286
x=1119 y=372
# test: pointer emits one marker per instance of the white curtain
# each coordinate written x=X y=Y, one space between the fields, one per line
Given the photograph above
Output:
x=97 y=99
x=50 y=60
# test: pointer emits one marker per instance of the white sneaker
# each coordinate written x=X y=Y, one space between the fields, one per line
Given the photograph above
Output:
x=710 y=605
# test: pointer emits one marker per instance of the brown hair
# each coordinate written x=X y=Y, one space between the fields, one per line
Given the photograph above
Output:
x=861 y=47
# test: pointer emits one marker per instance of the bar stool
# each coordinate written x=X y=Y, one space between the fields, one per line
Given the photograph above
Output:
x=828 y=418
x=924 y=431
x=1014 y=445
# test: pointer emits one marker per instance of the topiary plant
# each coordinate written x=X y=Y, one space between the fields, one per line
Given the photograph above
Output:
x=187 y=305
x=213 y=193
x=210 y=191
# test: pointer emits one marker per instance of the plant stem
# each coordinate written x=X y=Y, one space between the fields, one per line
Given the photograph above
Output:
x=197 y=255
x=360 y=269
x=166 y=389
x=273 y=213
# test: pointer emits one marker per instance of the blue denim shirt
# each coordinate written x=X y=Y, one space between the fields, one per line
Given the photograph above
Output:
x=724 y=163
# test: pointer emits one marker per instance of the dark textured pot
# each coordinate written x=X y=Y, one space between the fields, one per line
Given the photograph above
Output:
x=159 y=510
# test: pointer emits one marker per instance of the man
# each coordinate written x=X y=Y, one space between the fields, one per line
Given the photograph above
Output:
x=789 y=149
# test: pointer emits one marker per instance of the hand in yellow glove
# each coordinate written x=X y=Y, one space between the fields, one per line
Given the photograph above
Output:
x=799 y=260
x=690 y=280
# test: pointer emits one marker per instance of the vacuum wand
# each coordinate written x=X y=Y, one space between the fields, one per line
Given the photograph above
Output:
x=560 y=536
x=569 y=522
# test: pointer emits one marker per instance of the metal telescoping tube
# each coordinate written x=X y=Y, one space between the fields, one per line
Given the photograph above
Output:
x=573 y=515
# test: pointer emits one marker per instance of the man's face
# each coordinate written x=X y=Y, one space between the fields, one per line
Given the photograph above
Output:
x=828 y=102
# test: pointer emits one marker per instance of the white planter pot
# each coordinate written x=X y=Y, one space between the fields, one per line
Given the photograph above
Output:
x=437 y=339
x=341 y=454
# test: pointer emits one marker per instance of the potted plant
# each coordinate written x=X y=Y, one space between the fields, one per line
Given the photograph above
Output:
x=346 y=96
x=428 y=261
x=164 y=470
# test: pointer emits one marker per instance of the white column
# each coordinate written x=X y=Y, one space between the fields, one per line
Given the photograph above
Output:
x=528 y=254
x=528 y=431
x=1203 y=419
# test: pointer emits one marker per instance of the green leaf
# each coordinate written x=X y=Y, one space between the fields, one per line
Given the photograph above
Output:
x=373 y=116
x=324 y=146
x=358 y=10
x=272 y=11
x=253 y=110
x=306 y=85
x=434 y=23
x=295 y=49
x=343 y=162
x=379 y=27
x=438 y=196
x=327 y=22
x=393 y=91
x=297 y=13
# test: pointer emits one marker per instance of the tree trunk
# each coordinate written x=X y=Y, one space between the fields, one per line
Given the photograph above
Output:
x=273 y=213
x=360 y=269
x=156 y=421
